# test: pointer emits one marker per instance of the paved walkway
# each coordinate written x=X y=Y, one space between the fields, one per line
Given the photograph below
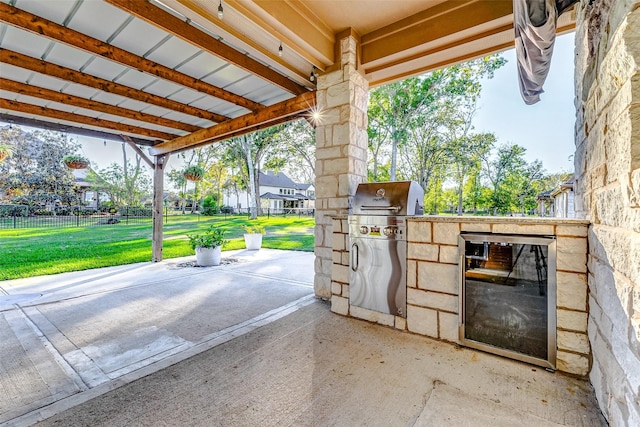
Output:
x=245 y=344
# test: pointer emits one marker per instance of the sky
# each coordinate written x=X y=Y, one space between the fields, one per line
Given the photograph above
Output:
x=545 y=129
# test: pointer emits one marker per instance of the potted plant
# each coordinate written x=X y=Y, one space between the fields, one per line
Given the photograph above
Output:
x=5 y=151
x=208 y=246
x=253 y=236
x=193 y=173
x=75 y=161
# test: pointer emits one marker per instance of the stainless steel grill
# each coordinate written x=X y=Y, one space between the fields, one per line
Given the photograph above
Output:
x=377 y=230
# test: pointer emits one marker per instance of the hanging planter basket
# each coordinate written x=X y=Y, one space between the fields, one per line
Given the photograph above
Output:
x=75 y=162
x=193 y=173
x=5 y=151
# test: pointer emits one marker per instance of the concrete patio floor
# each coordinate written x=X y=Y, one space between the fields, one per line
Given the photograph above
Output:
x=245 y=344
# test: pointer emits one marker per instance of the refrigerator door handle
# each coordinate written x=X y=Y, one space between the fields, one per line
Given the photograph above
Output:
x=355 y=260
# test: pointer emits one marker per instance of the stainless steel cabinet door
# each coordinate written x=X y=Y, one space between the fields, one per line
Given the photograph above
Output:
x=378 y=279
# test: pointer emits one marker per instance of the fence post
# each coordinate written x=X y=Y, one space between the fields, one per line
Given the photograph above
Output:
x=15 y=217
x=78 y=217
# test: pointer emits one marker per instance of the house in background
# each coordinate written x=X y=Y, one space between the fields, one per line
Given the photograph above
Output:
x=563 y=199
x=88 y=195
x=278 y=194
x=558 y=202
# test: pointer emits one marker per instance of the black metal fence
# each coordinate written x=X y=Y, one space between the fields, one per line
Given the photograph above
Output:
x=19 y=216
x=299 y=212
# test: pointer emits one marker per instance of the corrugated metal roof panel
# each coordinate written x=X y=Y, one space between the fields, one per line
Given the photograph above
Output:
x=24 y=42
x=173 y=52
x=138 y=37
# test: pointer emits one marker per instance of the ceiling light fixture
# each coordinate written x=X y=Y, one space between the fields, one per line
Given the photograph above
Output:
x=280 y=50
x=312 y=77
x=220 y=10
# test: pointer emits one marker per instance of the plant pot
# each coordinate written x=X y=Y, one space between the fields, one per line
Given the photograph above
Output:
x=3 y=155
x=77 y=164
x=206 y=257
x=191 y=177
x=253 y=242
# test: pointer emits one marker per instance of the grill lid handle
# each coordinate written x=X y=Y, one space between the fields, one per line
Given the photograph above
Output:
x=381 y=208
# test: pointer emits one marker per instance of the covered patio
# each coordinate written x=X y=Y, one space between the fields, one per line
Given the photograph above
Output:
x=173 y=75
x=245 y=343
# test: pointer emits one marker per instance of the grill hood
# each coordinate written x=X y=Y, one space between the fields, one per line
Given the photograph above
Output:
x=389 y=198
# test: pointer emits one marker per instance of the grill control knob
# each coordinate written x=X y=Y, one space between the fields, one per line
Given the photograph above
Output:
x=364 y=229
x=388 y=231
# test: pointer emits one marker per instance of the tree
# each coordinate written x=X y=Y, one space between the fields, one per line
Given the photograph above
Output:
x=247 y=153
x=396 y=110
x=34 y=174
x=294 y=150
x=127 y=184
x=513 y=179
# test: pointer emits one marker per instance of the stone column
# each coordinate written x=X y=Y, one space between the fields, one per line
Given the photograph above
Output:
x=607 y=163
x=341 y=152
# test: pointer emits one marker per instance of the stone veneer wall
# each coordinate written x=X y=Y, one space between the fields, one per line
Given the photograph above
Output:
x=433 y=278
x=607 y=164
x=341 y=152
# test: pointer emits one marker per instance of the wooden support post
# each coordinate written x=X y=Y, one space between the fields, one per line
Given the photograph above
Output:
x=158 y=203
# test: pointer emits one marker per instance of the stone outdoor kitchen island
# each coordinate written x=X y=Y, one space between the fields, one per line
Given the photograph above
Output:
x=433 y=279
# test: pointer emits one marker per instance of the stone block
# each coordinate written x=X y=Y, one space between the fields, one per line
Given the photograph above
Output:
x=335 y=167
x=338 y=242
x=333 y=152
x=422 y=321
x=449 y=254
x=401 y=323
x=438 y=277
x=446 y=233
x=372 y=316
x=322 y=285
x=572 y=246
x=422 y=251
x=572 y=320
x=572 y=230
x=340 y=204
x=571 y=262
x=476 y=227
x=419 y=231
x=337 y=257
x=532 y=229
x=412 y=271
x=339 y=305
x=326 y=186
x=573 y=341
x=572 y=363
x=434 y=300
x=339 y=94
x=336 y=288
x=448 y=326
x=345 y=258
x=340 y=273
x=571 y=291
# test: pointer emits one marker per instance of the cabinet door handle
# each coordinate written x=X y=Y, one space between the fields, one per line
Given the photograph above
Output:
x=355 y=260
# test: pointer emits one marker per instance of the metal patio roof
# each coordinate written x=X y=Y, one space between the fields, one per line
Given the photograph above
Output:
x=173 y=75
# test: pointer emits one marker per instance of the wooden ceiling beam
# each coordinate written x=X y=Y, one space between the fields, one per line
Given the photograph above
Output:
x=183 y=30
x=43 y=27
x=66 y=128
x=443 y=20
x=67 y=74
x=64 y=98
x=35 y=110
x=268 y=116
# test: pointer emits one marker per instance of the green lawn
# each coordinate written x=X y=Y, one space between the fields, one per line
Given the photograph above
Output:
x=27 y=252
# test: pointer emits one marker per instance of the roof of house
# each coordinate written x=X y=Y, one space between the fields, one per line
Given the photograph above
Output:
x=279 y=179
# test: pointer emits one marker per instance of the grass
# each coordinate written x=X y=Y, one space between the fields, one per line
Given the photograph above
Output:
x=27 y=252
